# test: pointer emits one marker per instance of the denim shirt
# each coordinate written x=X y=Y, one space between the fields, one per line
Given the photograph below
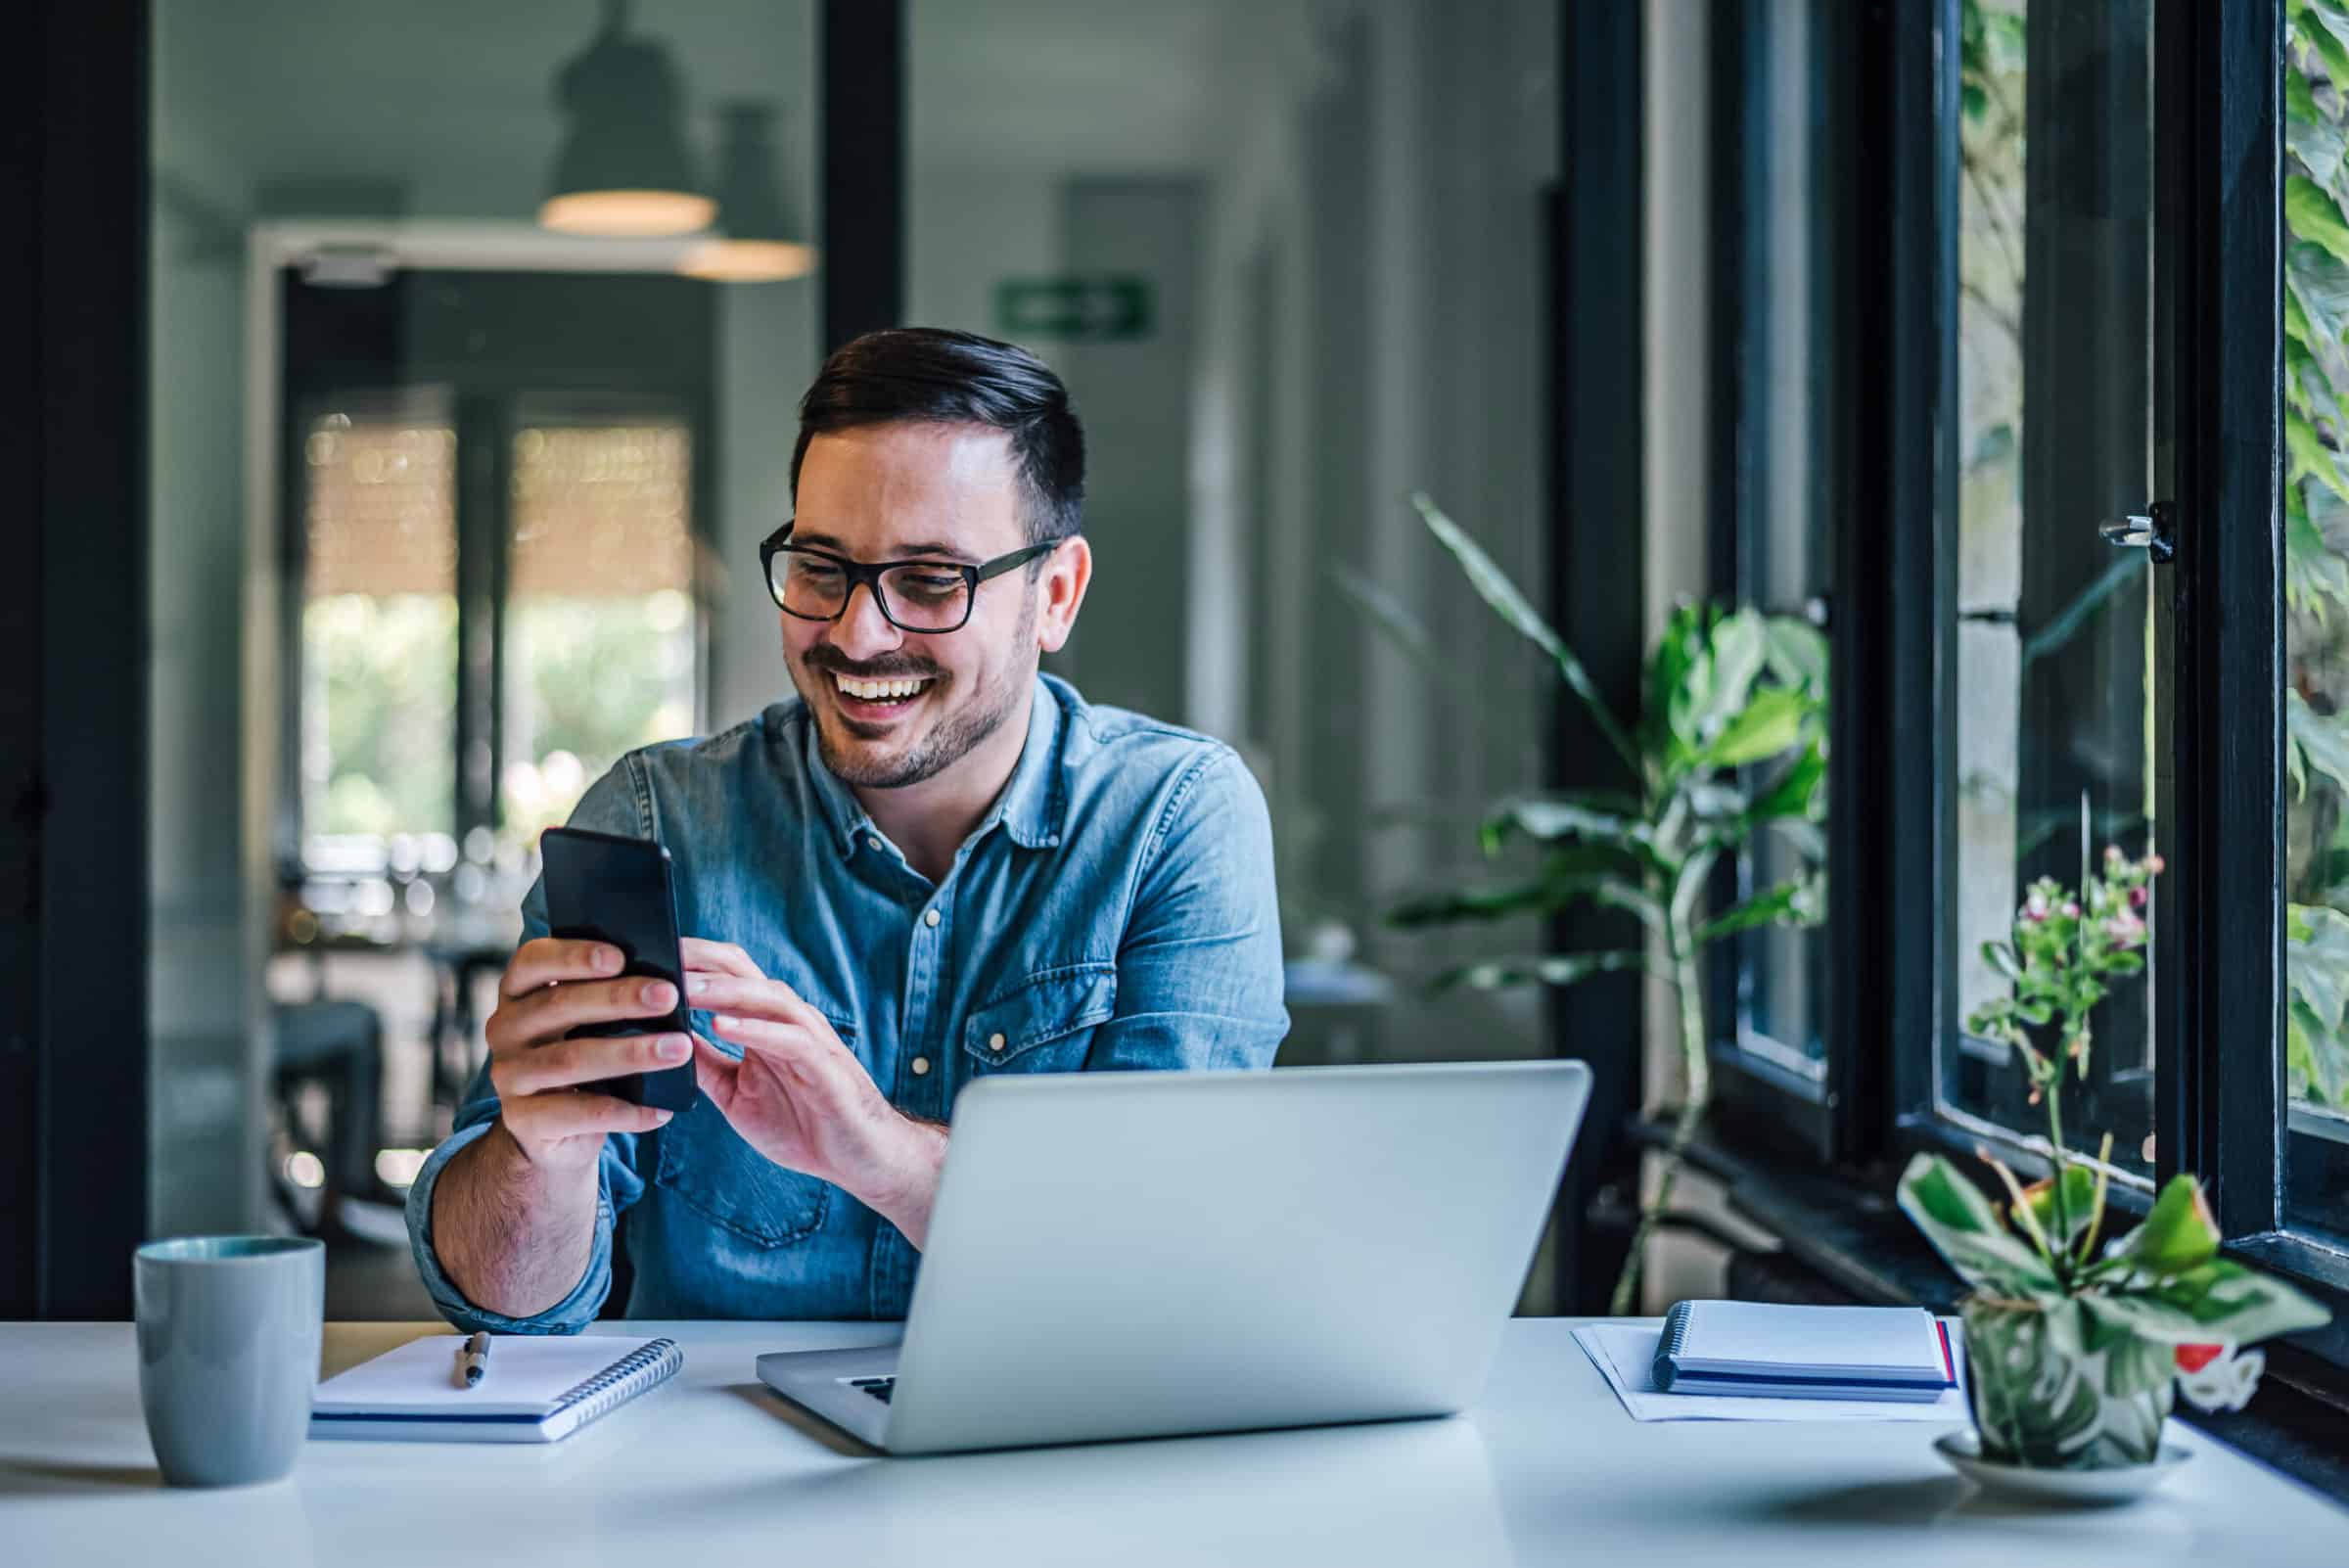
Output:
x=1115 y=909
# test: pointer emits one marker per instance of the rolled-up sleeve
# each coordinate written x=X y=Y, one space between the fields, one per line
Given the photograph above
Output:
x=610 y=806
x=1199 y=966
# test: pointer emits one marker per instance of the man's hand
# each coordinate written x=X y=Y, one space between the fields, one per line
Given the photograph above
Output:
x=513 y=1216
x=551 y=987
x=801 y=1097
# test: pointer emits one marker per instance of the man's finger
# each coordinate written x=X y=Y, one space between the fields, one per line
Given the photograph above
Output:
x=551 y=958
x=752 y=998
x=715 y=1072
x=699 y=952
x=565 y=1116
x=570 y=1062
x=554 y=1011
x=790 y=1043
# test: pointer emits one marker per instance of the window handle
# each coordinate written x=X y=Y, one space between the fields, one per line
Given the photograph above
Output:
x=2153 y=531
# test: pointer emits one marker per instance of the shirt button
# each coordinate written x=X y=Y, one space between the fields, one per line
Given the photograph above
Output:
x=921 y=1065
x=872 y=842
x=995 y=1043
x=930 y=918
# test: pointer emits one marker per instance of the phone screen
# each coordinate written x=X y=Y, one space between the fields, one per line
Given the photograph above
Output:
x=601 y=888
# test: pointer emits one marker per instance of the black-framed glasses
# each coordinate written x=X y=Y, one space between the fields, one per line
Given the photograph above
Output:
x=925 y=596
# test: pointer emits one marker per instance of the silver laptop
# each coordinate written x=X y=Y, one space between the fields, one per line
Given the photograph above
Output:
x=1125 y=1255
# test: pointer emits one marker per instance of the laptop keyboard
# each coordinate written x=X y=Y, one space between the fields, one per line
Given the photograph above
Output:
x=879 y=1388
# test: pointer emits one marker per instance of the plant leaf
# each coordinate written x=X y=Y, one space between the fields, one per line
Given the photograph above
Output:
x=1402 y=628
x=1552 y=817
x=1494 y=586
x=2321 y=740
x=1767 y=726
x=2311 y=457
x=1792 y=902
x=1736 y=646
x=2307 y=134
x=1800 y=791
x=1964 y=1230
x=2079 y=1192
x=2321 y=281
x=1496 y=974
x=2313 y=214
x=2223 y=1301
x=1795 y=653
x=1544 y=894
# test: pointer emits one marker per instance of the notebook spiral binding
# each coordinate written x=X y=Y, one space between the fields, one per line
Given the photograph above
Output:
x=1676 y=1332
x=646 y=1368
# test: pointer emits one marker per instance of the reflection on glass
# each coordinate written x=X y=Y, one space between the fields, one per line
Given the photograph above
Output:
x=600 y=626
x=2053 y=626
x=2315 y=620
x=379 y=628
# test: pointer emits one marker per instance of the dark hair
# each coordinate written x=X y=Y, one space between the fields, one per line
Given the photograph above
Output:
x=934 y=376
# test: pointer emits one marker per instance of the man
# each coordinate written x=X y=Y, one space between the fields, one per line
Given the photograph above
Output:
x=932 y=866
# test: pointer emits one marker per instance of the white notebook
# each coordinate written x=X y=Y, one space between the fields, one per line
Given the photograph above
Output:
x=537 y=1389
x=1831 y=1353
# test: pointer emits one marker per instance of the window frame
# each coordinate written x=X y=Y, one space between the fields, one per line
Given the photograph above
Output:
x=2218 y=298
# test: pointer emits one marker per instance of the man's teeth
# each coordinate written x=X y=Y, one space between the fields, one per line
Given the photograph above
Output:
x=875 y=691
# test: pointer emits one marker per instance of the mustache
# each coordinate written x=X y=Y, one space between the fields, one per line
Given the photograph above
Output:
x=831 y=661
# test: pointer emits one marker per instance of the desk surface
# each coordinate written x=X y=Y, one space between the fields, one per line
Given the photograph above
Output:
x=712 y=1468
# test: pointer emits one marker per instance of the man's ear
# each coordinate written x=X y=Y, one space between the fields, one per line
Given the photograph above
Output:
x=1065 y=580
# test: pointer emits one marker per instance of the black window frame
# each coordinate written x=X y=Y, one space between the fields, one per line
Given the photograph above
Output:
x=2216 y=296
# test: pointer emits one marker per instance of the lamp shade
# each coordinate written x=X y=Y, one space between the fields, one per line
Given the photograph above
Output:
x=624 y=167
x=761 y=243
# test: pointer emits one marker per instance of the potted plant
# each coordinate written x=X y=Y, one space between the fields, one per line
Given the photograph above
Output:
x=1730 y=743
x=2075 y=1343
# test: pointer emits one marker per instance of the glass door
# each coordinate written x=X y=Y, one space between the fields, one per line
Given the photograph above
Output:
x=2062 y=487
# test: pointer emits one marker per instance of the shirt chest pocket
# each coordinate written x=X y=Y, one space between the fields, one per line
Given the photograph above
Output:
x=706 y=1163
x=1043 y=1024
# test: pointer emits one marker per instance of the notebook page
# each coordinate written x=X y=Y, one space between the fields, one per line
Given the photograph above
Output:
x=527 y=1373
x=1762 y=1336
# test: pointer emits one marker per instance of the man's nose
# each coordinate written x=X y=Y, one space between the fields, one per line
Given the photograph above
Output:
x=863 y=631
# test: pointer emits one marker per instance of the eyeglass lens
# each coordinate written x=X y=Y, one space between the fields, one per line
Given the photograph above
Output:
x=915 y=596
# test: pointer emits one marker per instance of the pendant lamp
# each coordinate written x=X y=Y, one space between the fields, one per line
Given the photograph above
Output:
x=624 y=167
x=758 y=244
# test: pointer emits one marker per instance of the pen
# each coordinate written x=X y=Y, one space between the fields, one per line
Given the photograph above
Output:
x=472 y=1358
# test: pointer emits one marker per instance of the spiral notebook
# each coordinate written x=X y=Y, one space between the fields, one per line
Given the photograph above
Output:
x=1770 y=1350
x=539 y=1389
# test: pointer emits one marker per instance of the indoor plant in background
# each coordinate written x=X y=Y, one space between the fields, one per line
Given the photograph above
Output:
x=2073 y=1351
x=1732 y=742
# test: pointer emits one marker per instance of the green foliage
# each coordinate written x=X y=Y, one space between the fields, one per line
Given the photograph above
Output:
x=1731 y=741
x=2065 y=950
x=379 y=688
x=2316 y=541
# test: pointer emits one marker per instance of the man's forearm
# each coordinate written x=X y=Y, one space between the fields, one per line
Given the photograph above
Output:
x=514 y=1237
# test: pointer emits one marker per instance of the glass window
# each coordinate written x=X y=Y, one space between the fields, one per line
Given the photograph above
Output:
x=599 y=642
x=1291 y=261
x=379 y=628
x=1779 y=455
x=2058 y=686
x=2315 y=625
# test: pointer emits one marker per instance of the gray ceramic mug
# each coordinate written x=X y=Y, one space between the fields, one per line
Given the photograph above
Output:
x=228 y=1353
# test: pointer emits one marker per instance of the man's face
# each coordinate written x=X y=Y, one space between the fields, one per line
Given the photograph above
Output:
x=891 y=492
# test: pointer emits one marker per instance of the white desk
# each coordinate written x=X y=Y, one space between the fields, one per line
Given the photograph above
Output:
x=711 y=1469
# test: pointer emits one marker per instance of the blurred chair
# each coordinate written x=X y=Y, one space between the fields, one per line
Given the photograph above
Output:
x=339 y=1045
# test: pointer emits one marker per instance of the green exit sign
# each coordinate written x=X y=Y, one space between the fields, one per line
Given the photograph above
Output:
x=1098 y=308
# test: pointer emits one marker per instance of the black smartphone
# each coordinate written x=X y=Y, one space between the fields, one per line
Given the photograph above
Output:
x=603 y=888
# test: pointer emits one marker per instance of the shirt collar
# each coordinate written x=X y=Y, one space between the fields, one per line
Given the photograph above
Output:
x=1032 y=807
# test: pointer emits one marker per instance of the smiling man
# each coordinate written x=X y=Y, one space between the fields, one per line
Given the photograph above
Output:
x=932 y=864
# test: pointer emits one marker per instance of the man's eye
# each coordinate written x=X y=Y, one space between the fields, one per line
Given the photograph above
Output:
x=816 y=573
x=931 y=585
